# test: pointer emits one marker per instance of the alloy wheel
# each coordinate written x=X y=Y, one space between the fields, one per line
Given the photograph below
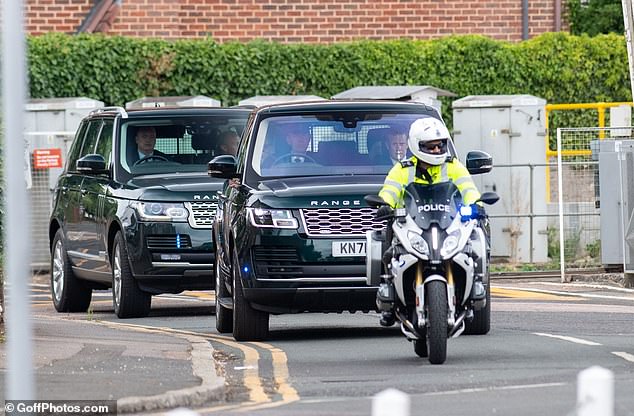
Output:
x=58 y=271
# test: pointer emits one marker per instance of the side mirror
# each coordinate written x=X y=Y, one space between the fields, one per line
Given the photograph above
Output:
x=92 y=163
x=223 y=166
x=479 y=162
x=375 y=201
x=489 y=198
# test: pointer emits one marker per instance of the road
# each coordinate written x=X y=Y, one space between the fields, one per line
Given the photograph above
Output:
x=543 y=334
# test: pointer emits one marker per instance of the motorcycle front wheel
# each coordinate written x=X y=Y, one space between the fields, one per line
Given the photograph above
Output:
x=436 y=301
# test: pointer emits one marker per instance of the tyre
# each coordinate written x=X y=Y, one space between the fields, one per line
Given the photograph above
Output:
x=481 y=322
x=436 y=301
x=224 y=316
x=248 y=324
x=69 y=293
x=129 y=301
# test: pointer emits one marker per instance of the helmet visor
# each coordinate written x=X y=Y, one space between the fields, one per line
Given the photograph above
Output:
x=433 y=146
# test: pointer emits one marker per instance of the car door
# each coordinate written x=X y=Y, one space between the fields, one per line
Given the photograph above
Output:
x=68 y=192
x=85 y=252
x=93 y=193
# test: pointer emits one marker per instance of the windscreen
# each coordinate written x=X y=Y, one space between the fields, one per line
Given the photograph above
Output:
x=151 y=146
x=324 y=144
x=432 y=204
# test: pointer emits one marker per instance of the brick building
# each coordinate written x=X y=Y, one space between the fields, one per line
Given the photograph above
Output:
x=309 y=21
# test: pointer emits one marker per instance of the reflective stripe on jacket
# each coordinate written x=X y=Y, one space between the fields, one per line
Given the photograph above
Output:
x=404 y=173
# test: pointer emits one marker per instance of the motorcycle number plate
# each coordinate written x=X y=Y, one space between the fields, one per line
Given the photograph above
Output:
x=349 y=248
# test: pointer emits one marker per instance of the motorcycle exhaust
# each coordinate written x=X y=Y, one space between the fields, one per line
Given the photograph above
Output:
x=407 y=328
x=459 y=326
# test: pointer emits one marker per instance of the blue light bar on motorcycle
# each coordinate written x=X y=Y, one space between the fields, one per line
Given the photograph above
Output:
x=467 y=213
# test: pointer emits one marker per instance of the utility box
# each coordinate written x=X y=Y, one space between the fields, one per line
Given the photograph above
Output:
x=416 y=93
x=616 y=199
x=511 y=128
x=50 y=126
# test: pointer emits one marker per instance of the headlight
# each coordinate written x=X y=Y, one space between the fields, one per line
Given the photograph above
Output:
x=272 y=218
x=449 y=246
x=418 y=243
x=161 y=211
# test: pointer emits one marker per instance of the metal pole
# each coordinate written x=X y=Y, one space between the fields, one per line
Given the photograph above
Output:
x=560 y=197
x=628 y=20
x=524 y=19
x=532 y=207
x=20 y=384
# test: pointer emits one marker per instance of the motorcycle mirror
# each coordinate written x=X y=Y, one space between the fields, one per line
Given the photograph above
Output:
x=374 y=201
x=489 y=198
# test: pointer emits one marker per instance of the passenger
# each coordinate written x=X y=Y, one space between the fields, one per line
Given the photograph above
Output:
x=228 y=143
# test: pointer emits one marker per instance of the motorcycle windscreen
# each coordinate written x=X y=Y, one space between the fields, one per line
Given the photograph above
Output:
x=432 y=204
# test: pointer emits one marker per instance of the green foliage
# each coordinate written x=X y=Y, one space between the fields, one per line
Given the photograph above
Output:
x=595 y=17
x=594 y=250
x=558 y=67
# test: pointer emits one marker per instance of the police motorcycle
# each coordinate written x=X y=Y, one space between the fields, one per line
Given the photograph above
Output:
x=432 y=260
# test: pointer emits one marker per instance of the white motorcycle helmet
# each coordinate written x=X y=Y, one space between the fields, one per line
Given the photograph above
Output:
x=426 y=130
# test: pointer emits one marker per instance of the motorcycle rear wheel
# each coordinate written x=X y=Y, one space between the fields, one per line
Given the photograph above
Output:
x=420 y=347
x=436 y=301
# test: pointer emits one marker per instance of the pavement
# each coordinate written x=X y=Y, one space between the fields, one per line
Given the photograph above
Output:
x=91 y=360
x=179 y=367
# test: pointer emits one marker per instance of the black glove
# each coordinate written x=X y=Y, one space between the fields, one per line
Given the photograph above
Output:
x=384 y=212
x=478 y=211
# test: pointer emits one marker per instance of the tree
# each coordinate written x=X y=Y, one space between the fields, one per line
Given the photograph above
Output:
x=593 y=17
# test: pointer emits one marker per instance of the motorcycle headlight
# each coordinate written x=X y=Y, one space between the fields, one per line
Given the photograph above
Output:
x=418 y=243
x=272 y=218
x=161 y=211
x=449 y=246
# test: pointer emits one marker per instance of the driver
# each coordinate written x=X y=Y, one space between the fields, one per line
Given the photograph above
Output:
x=145 y=142
x=431 y=163
x=296 y=139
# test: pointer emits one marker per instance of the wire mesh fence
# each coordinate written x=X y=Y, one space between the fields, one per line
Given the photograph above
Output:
x=588 y=195
x=46 y=150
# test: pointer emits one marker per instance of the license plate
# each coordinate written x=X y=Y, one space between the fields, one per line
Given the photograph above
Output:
x=354 y=248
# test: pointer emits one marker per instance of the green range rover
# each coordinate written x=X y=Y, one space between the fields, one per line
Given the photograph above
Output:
x=289 y=233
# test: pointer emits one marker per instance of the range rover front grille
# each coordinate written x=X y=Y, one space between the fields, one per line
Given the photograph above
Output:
x=201 y=214
x=171 y=241
x=351 y=222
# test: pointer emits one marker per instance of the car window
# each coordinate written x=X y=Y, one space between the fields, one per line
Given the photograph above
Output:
x=332 y=144
x=104 y=144
x=179 y=144
x=78 y=142
x=90 y=141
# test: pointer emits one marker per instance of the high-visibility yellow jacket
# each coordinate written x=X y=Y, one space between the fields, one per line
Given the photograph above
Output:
x=404 y=173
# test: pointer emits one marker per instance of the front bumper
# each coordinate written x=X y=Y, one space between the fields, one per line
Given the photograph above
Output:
x=170 y=257
x=286 y=272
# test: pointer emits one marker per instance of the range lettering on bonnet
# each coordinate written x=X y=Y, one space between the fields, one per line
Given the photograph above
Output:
x=434 y=207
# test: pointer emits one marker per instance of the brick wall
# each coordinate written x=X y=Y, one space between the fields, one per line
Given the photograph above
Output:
x=309 y=21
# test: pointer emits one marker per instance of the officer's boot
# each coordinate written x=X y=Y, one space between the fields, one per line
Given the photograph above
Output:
x=385 y=301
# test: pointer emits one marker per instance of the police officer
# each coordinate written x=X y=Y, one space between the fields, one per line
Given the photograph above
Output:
x=431 y=163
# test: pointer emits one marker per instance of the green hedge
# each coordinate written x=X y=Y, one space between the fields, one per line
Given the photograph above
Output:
x=556 y=66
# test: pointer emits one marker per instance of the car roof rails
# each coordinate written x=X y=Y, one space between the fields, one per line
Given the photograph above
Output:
x=111 y=109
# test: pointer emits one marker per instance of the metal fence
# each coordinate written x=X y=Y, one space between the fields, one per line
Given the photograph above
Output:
x=581 y=197
x=41 y=179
